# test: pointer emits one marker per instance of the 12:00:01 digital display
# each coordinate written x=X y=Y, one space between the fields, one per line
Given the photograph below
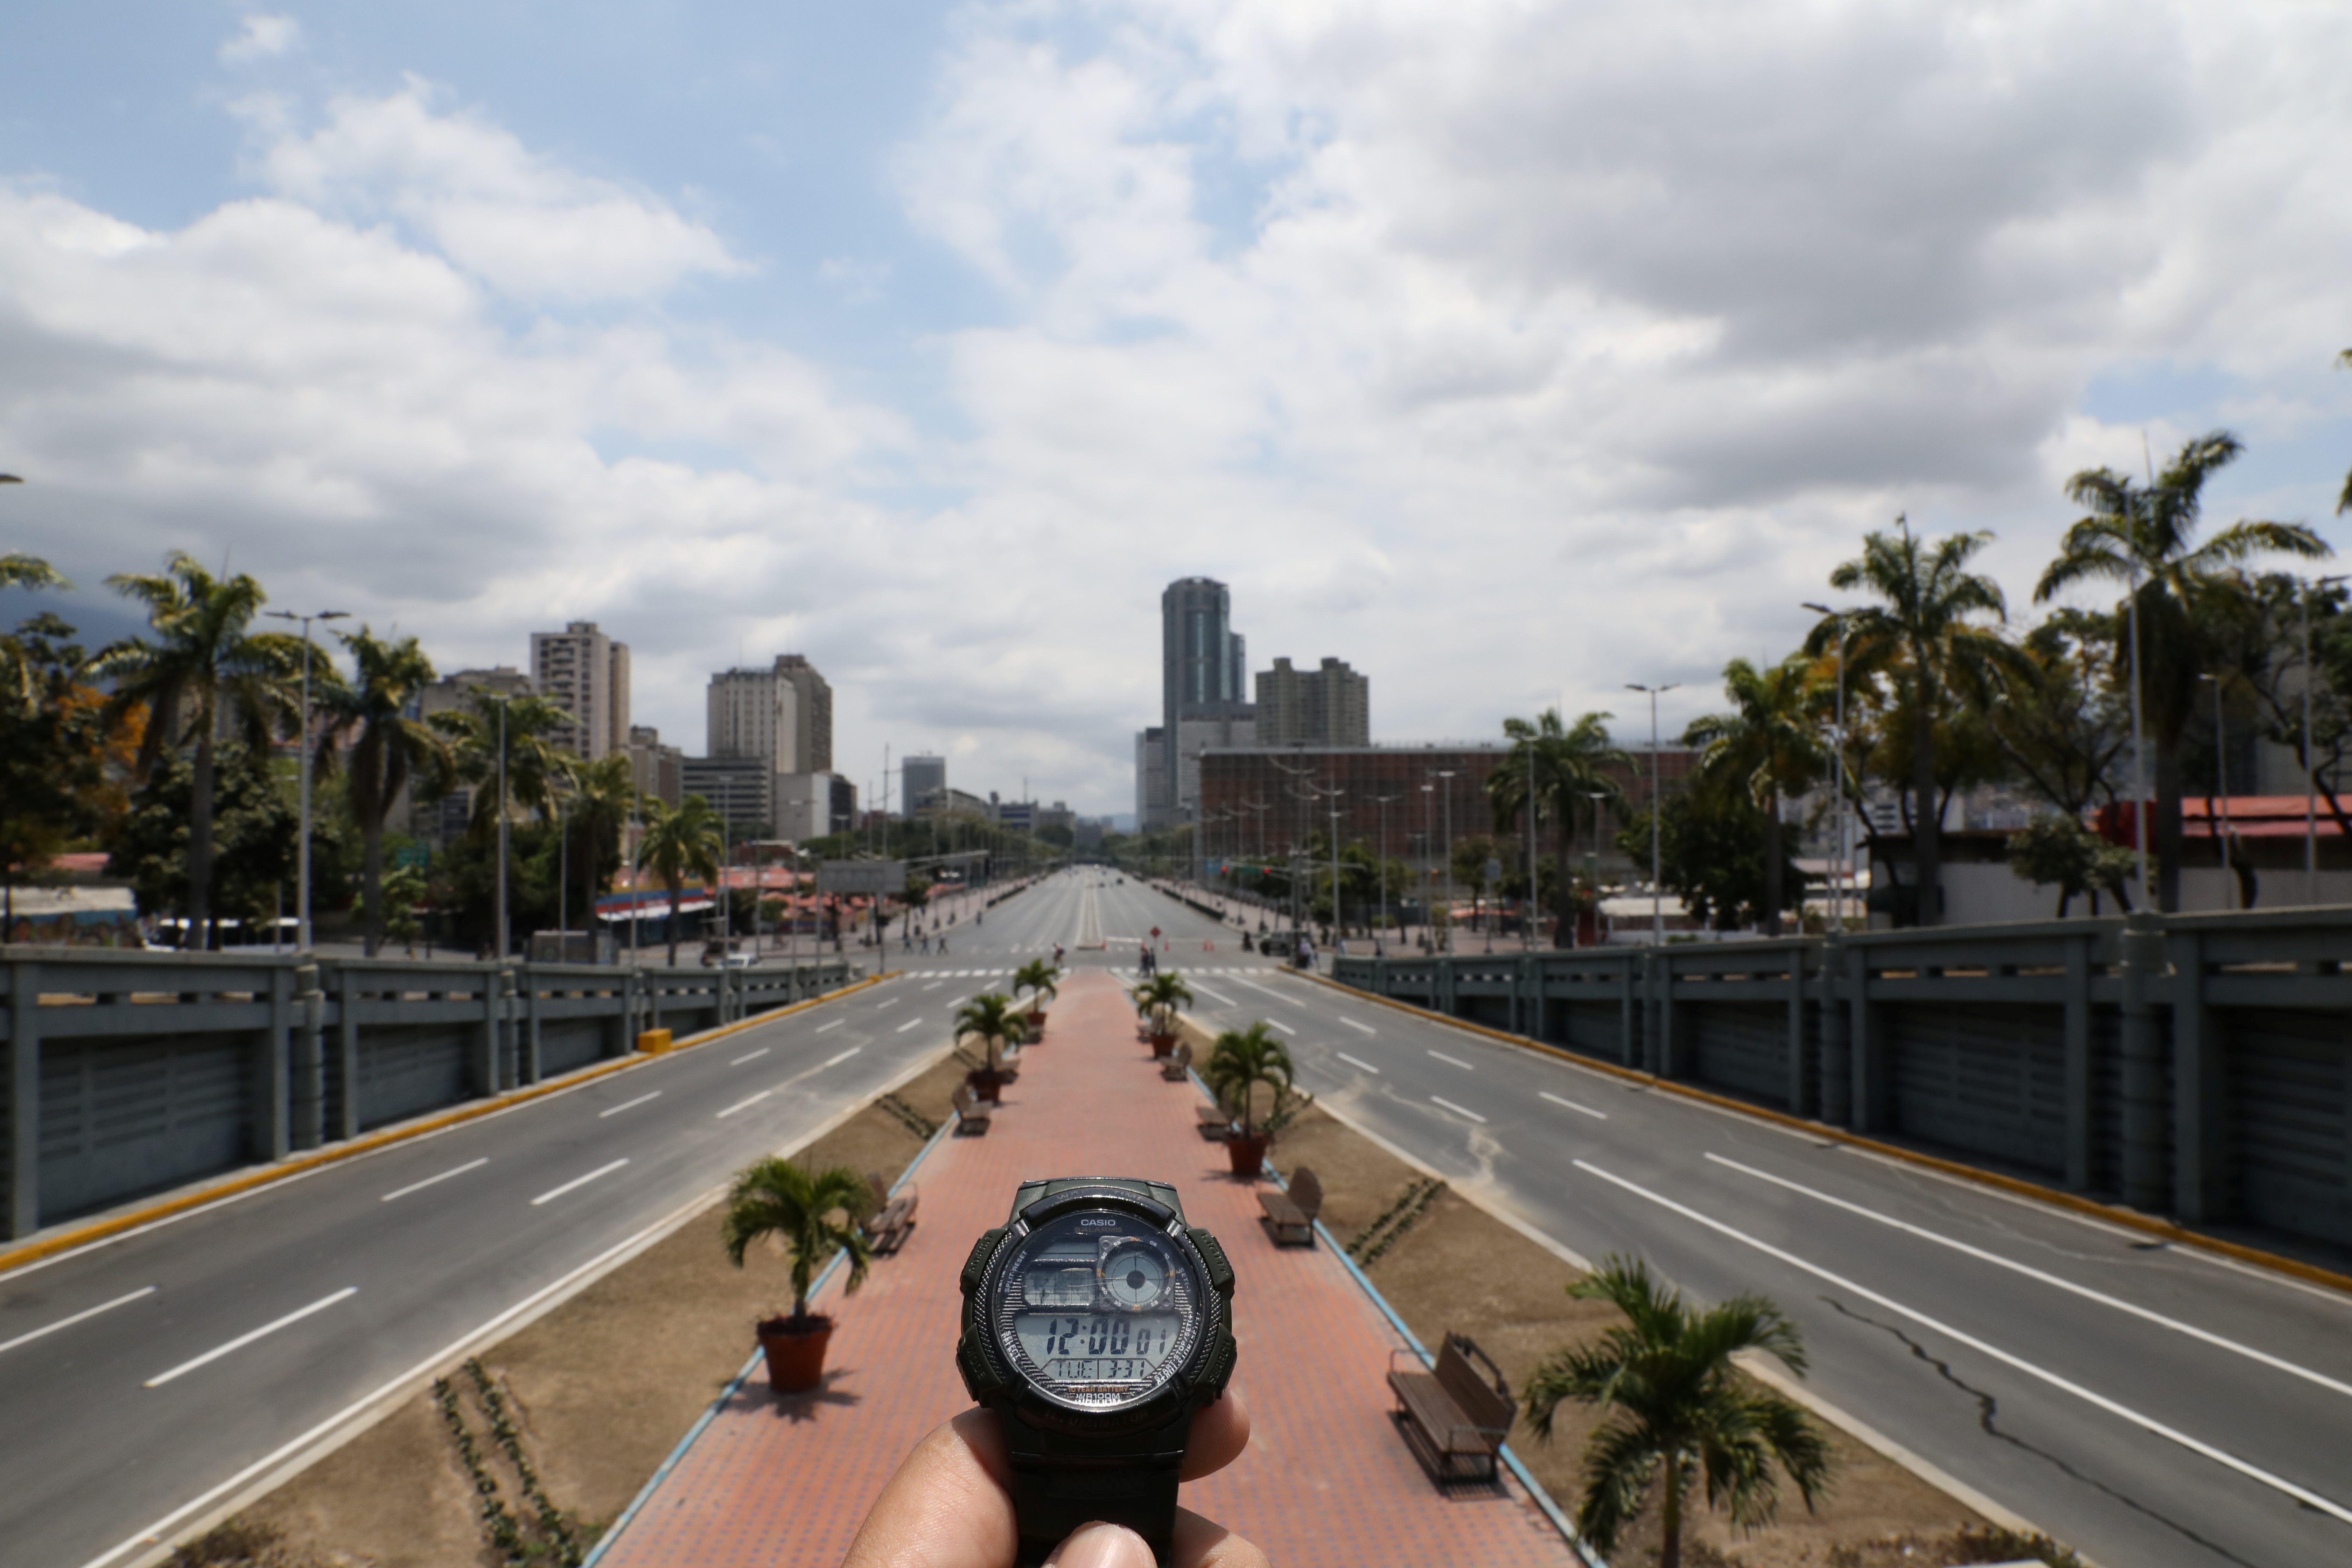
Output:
x=1118 y=1346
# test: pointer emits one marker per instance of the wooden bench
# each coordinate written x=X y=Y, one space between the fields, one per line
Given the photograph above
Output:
x=1215 y=1121
x=892 y=1218
x=1174 y=1069
x=1290 y=1216
x=971 y=1111
x=1453 y=1416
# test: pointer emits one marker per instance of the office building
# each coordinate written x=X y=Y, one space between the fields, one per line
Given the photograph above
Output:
x=921 y=778
x=586 y=674
x=742 y=790
x=653 y=768
x=1151 y=779
x=1204 y=682
x=814 y=805
x=783 y=712
x=1325 y=706
x=811 y=714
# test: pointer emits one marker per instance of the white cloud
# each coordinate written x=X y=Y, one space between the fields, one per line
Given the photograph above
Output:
x=264 y=37
x=517 y=220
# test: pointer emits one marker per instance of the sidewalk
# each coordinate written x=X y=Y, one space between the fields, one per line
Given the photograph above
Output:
x=773 y=1482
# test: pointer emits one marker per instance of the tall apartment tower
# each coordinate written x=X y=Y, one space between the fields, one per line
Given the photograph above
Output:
x=784 y=713
x=812 y=715
x=1327 y=707
x=586 y=674
x=1204 y=696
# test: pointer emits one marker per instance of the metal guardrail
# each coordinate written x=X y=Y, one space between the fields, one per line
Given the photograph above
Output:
x=125 y=1073
x=2199 y=1065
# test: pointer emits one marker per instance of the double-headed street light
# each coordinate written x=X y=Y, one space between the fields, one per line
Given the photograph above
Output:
x=302 y=841
x=1657 y=866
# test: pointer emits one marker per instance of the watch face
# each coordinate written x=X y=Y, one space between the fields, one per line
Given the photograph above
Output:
x=1098 y=1309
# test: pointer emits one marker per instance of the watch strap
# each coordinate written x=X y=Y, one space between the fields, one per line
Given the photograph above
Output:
x=1061 y=1482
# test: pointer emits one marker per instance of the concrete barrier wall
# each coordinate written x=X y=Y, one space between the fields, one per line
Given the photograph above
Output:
x=2200 y=1066
x=124 y=1074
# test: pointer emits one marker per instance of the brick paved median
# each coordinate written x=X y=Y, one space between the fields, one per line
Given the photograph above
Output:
x=773 y=1482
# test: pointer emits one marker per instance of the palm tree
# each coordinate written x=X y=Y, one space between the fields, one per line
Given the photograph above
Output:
x=369 y=716
x=2142 y=536
x=1239 y=1061
x=775 y=1197
x=1764 y=748
x=988 y=1018
x=20 y=571
x=1572 y=763
x=1671 y=1405
x=205 y=671
x=1923 y=634
x=1036 y=977
x=1159 y=997
x=601 y=796
x=535 y=766
x=680 y=841
x=2344 y=502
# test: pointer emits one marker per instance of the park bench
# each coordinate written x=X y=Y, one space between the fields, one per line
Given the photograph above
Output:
x=971 y=1111
x=1290 y=1216
x=892 y=1218
x=1174 y=1069
x=1214 y=1121
x=1453 y=1416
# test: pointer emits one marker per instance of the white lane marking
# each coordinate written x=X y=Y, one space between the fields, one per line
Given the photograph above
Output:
x=754 y=1056
x=85 y=1313
x=837 y=1023
x=2085 y=1291
x=1459 y=1109
x=2124 y=1412
x=578 y=1182
x=238 y=1343
x=1588 y=1110
x=909 y=1024
x=1363 y=1029
x=1272 y=992
x=892 y=1002
x=935 y=984
x=1283 y=1026
x=738 y=1105
x=628 y=1105
x=1455 y=1061
x=1352 y=1062
x=459 y=1171
x=1219 y=996
x=836 y=1062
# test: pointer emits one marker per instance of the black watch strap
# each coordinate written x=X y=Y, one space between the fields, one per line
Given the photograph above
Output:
x=1060 y=1483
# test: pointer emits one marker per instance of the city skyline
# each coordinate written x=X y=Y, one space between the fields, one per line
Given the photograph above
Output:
x=796 y=328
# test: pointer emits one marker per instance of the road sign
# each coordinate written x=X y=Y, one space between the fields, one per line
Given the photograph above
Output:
x=1494 y=870
x=411 y=858
x=888 y=877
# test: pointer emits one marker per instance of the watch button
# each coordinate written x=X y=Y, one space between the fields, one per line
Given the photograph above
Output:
x=978 y=1380
x=1220 y=1369
x=976 y=1266
x=1221 y=1271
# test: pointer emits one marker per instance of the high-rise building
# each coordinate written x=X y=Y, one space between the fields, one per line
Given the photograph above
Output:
x=1325 y=706
x=813 y=805
x=784 y=713
x=586 y=674
x=812 y=715
x=653 y=768
x=1151 y=779
x=1203 y=683
x=921 y=778
x=742 y=790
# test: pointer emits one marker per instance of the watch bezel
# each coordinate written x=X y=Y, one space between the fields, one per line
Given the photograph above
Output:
x=1174 y=1389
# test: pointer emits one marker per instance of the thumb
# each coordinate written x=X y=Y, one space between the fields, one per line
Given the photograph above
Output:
x=1100 y=1545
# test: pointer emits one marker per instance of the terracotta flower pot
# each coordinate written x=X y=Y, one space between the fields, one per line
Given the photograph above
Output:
x=986 y=1083
x=1036 y=1021
x=1247 y=1155
x=795 y=1351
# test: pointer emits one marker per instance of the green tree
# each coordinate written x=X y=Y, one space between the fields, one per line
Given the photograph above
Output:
x=368 y=733
x=256 y=812
x=1037 y=977
x=21 y=570
x=1764 y=747
x=2144 y=537
x=1923 y=634
x=536 y=768
x=2060 y=852
x=680 y=841
x=403 y=888
x=1240 y=1061
x=598 y=800
x=1711 y=857
x=990 y=1019
x=1674 y=1411
x=1572 y=763
x=53 y=738
x=813 y=1213
x=1159 y=998
x=2057 y=721
x=206 y=672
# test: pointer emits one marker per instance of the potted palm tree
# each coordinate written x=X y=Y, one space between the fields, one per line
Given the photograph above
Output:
x=1675 y=1415
x=814 y=1214
x=990 y=1019
x=1240 y=1061
x=1036 y=977
x=1157 y=999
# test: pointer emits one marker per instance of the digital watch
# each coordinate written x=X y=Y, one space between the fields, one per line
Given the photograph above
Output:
x=1095 y=1322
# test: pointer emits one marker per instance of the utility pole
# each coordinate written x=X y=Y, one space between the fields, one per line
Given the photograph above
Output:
x=1527 y=916
x=302 y=842
x=1657 y=872
x=1838 y=874
x=1381 y=853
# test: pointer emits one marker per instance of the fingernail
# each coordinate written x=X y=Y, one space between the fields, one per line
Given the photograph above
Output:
x=1100 y=1545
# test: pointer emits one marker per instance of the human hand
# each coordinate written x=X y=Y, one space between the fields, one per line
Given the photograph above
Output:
x=950 y=1505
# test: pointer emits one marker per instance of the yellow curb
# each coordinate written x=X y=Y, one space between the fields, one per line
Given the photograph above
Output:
x=2130 y=1218
x=165 y=1208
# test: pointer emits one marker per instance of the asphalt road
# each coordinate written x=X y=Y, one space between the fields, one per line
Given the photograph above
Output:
x=2146 y=1403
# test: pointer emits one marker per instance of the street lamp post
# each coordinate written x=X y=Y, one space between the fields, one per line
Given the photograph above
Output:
x=1380 y=853
x=2310 y=758
x=1596 y=796
x=1657 y=866
x=1837 y=813
x=2221 y=787
x=502 y=826
x=302 y=841
x=1447 y=861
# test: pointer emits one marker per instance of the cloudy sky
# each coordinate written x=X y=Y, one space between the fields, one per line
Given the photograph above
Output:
x=1510 y=351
